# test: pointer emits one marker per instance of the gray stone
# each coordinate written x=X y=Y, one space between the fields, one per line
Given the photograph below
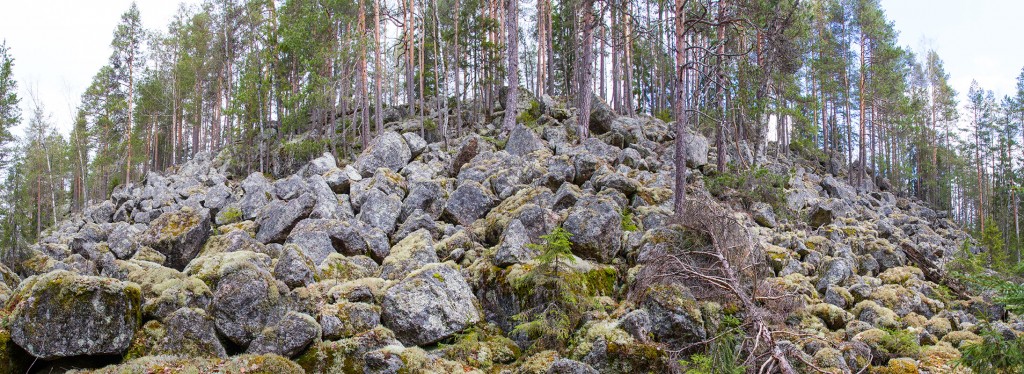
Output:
x=601 y=116
x=415 y=142
x=294 y=268
x=290 y=187
x=835 y=272
x=346 y=319
x=60 y=314
x=245 y=301
x=431 y=304
x=567 y=366
x=638 y=324
x=596 y=227
x=764 y=215
x=514 y=247
x=837 y=189
x=389 y=150
x=321 y=165
x=522 y=141
x=288 y=337
x=696 y=150
x=217 y=197
x=178 y=235
x=276 y=220
x=410 y=254
x=124 y=240
x=381 y=210
x=675 y=319
x=468 y=203
x=258 y=193
x=100 y=213
x=190 y=332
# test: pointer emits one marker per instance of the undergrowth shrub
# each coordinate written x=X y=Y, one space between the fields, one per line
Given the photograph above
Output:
x=995 y=355
x=722 y=355
x=560 y=295
x=750 y=186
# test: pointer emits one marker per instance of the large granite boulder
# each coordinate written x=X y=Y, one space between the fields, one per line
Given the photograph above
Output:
x=389 y=150
x=178 y=235
x=62 y=314
x=431 y=304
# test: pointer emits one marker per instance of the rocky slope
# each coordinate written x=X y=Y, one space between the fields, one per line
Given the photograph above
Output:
x=415 y=258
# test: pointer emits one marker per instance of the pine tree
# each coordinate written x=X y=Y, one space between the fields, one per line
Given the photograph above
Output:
x=10 y=112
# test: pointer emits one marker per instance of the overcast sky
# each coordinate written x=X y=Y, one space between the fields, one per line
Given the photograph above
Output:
x=59 y=45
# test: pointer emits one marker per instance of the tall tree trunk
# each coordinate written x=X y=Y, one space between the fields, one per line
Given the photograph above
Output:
x=679 y=110
x=512 y=51
x=584 y=68
x=863 y=152
x=364 y=133
x=378 y=73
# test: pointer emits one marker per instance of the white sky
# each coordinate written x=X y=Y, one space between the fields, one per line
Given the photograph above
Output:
x=979 y=40
x=58 y=45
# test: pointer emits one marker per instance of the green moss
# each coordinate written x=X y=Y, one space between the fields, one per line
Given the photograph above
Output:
x=145 y=341
x=229 y=215
x=176 y=224
x=529 y=117
x=482 y=347
x=439 y=277
x=628 y=224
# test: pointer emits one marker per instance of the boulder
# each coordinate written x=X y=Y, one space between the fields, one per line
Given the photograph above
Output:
x=410 y=254
x=596 y=228
x=431 y=304
x=522 y=141
x=292 y=334
x=696 y=150
x=276 y=220
x=468 y=203
x=190 y=332
x=346 y=319
x=763 y=214
x=123 y=240
x=514 y=247
x=294 y=268
x=601 y=116
x=389 y=150
x=675 y=316
x=178 y=235
x=61 y=314
x=380 y=210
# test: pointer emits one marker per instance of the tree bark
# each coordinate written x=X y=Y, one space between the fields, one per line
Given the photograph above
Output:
x=512 y=28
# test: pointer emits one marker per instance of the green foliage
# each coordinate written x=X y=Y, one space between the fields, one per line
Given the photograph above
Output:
x=750 y=185
x=558 y=294
x=530 y=116
x=500 y=143
x=995 y=355
x=628 y=223
x=665 y=115
x=899 y=343
x=230 y=215
x=722 y=355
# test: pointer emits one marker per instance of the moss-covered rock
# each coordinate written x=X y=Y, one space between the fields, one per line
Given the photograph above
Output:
x=178 y=235
x=482 y=347
x=431 y=304
x=248 y=364
x=345 y=319
x=61 y=314
x=344 y=356
x=676 y=317
x=164 y=289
